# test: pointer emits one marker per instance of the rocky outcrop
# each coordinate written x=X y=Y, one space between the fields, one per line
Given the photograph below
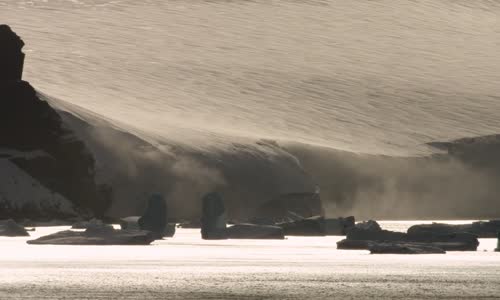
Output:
x=358 y=238
x=154 y=219
x=213 y=220
x=252 y=231
x=339 y=226
x=96 y=236
x=379 y=235
x=34 y=138
x=404 y=248
x=346 y=244
x=11 y=56
x=313 y=226
x=130 y=223
x=482 y=229
x=11 y=228
x=369 y=225
x=317 y=226
x=93 y=223
x=190 y=225
x=498 y=243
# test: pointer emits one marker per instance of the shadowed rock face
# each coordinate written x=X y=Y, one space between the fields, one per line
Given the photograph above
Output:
x=96 y=236
x=155 y=216
x=11 y=57
x=11 y=228
x=154 y=219
x=252 y=231
x=318 y=226
x=482 y=229
x=498 y=243
x=359 y=238
x=213 y=220
x=28 y=124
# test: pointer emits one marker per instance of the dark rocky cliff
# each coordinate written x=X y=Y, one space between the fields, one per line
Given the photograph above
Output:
x=27 y=124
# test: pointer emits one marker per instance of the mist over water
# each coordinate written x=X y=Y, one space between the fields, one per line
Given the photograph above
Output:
x=213 y=77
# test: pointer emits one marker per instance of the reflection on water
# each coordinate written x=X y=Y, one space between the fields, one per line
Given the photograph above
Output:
x=188 y=267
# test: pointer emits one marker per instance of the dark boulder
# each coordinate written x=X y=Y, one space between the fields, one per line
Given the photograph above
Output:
x=339 y=226
x=369 y=225
x=190 y=225
x=451 y=242
x=96 y=236
x=11 y=228
x=318 y=226
x=87 y=224
x=169 y=230
x=313 y=226
x=252 y=231
x=370 y=235
x=346 y=244
x=498 y=243
x=154 y=218
x=28 y=125
x=261 y=221
x=482 y=229
x=213 y=219
x=404 y=248
x=130 y=223
x=11 y=55
x=464 y=238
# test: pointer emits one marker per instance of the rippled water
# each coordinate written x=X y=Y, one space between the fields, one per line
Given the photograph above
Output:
x=186 y=267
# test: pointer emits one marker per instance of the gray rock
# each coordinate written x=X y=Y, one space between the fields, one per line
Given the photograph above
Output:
x=339 y=226
x=498 y=243
x=96 y=236
x=169 y=230
x=365 y=245
x=213 y=220
x=190 y=225
x=404 y=248
x=317 y=226
x=90 y=223
x=313 y=226
x=261 y=221
x=370 y=235
x=253 y=231
x=11 y=228
x=11 y=55
x=130 y=223
x=482 y=229
x=369 y=225
x=452 y=242
x=346 y=244
x=154 y=218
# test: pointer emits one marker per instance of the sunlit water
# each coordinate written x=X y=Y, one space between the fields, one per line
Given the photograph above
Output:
x=187 y=267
